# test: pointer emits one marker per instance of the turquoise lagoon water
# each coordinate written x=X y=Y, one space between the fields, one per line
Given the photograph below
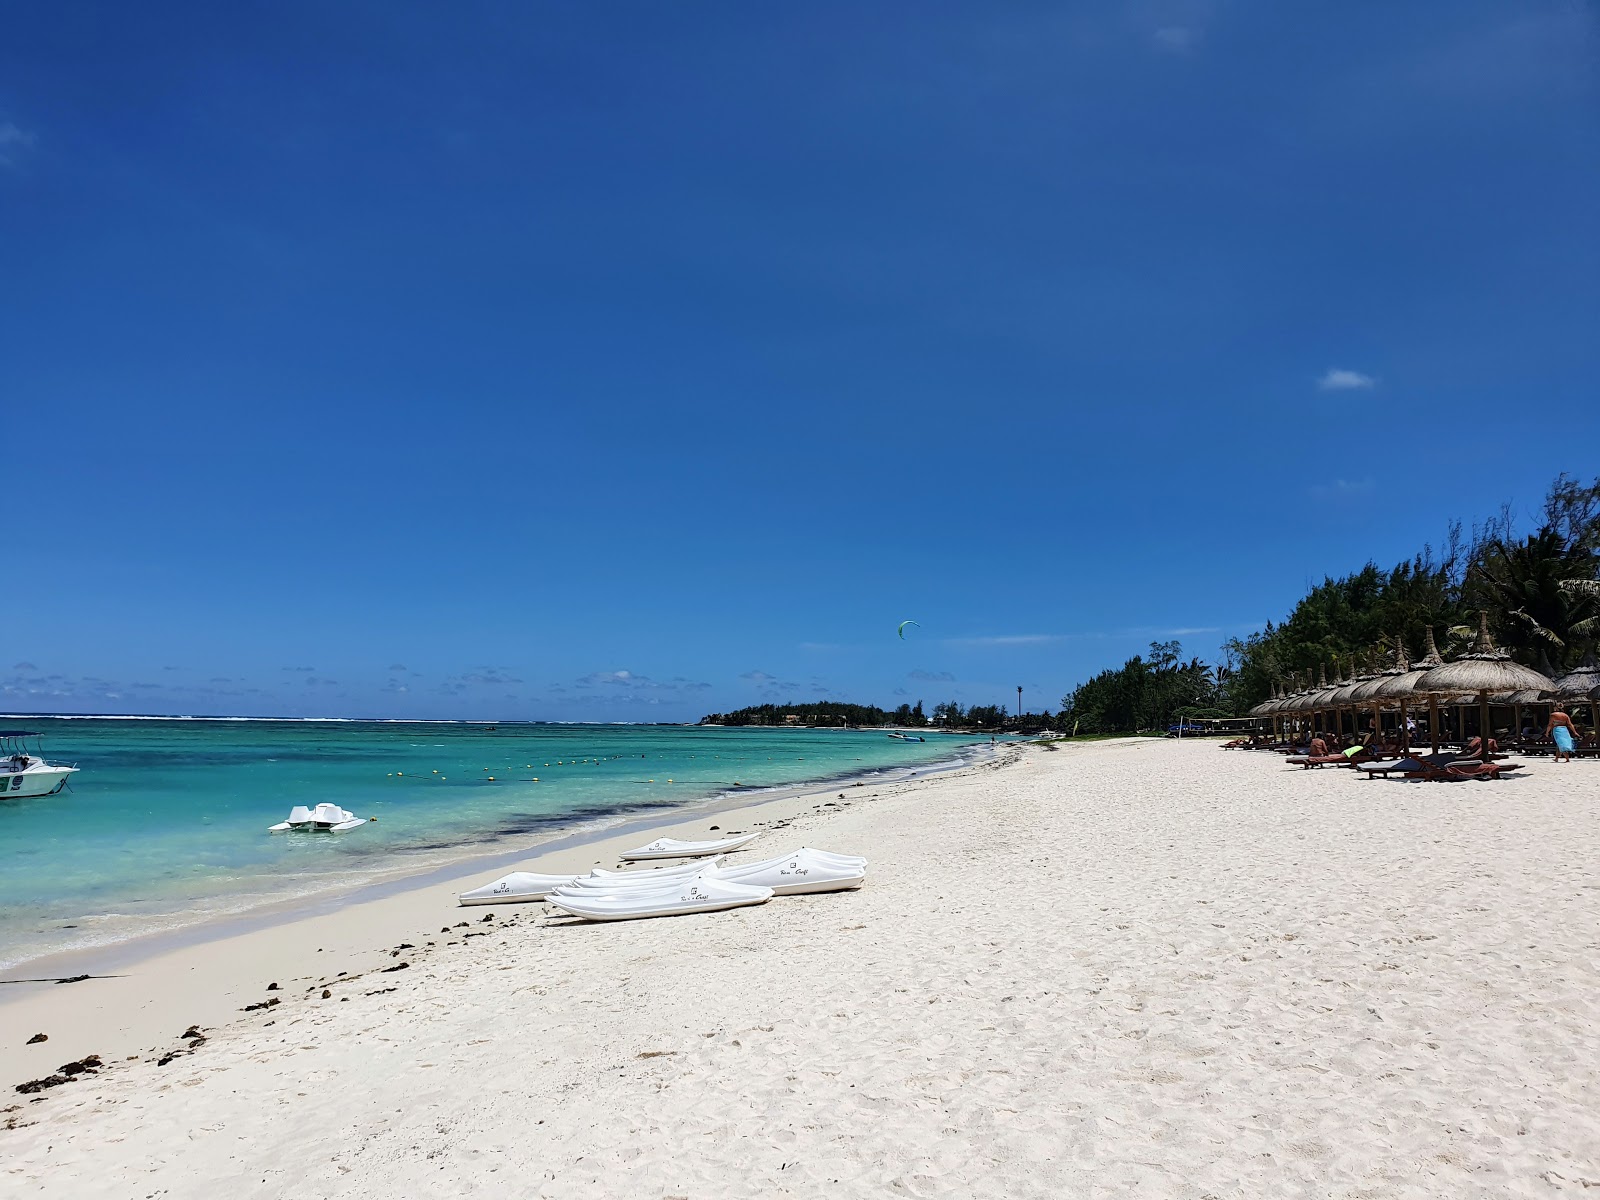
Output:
x=166 y=823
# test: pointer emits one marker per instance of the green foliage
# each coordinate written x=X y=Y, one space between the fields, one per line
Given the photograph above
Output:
x=1540 y=591
x=1521 y=585
x=1143 y=693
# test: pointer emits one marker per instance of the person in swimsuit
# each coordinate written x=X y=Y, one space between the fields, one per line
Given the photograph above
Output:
x=1565 y=734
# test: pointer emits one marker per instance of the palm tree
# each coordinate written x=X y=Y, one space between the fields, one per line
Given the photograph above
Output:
x=1524 y=585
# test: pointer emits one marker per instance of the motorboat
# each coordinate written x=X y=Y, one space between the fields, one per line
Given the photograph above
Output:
x=519 y=887
x=907 y=737
x=698 y=894
x=804 y=871
x=24 y=772
x=673 y=848
x=324 y=818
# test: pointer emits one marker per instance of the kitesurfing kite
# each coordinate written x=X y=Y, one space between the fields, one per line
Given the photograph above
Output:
x=902 y=629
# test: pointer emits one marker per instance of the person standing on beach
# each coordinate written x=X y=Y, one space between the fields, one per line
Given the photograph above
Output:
x=1565 y=734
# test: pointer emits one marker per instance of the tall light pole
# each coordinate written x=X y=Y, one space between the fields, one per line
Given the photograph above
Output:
x=1019 y=705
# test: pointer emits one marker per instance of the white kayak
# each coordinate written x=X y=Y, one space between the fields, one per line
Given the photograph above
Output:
x=673 y=848
x=325 y=818
x=804 y=871
x=519 y=887
x=697 y=895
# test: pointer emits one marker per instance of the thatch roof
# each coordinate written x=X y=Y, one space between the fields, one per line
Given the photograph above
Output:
x=1582 y=683
x=1401 y=686
x=1525 y=696
x=1309 y=699
x=1372 y=690
x=1267 y=706
x=1344 y=696
x=1486 y=669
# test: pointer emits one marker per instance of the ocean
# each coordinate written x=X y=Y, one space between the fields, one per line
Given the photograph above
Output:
x=166 y=824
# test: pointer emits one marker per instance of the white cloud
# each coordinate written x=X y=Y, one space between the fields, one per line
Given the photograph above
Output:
x=1010 y=639
x=1339 y=380
x=758 y=677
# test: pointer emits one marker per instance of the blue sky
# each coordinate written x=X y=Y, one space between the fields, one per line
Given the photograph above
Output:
x=630 y=361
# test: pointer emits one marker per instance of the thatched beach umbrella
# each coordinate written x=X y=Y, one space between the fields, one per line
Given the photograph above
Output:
x=1430 y=660
x=1294 y=703
x=1371 y=692
x=1287 y=704
x=1344 y=697
x=1581 y=684
x=1403 y=687
x=1317 y=698
x=1484 y=671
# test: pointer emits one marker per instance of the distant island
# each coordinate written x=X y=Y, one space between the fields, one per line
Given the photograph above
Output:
x=835 y=715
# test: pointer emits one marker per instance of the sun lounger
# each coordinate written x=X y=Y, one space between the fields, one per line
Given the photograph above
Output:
x=1435 y=771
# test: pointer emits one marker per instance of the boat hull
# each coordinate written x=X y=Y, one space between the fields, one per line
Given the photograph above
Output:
x=519 y=887
x=804 y=872
x=672 y=848
x=698 y=895
x=36 y=781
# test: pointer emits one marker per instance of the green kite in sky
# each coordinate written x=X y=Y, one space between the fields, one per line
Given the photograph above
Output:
x=902 y=629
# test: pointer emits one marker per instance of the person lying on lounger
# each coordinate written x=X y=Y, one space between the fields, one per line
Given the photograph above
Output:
x=1475 y=746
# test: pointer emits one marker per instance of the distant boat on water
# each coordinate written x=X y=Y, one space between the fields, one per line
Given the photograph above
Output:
x=907 y=737
x=25 y=773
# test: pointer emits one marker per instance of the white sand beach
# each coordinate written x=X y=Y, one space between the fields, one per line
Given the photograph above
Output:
x=1132 y=968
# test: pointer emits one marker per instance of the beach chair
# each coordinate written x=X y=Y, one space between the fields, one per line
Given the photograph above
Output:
x=1436 y=770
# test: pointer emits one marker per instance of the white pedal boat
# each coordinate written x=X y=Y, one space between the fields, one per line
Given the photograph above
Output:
x=325 y=818
x=634 y=881
x=804 y=871
x=681 y=871
x=696 y=895
x=673 y=848
x=519 y=887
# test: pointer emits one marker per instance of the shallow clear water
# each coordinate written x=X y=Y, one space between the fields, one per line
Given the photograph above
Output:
x=166 y=822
